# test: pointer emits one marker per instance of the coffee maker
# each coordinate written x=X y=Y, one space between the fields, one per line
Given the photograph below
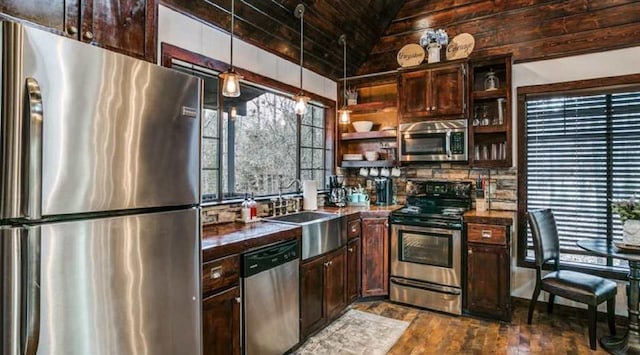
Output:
x=384 y=190
x=337 y=193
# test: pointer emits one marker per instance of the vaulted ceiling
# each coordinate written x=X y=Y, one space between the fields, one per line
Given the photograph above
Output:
x=271 y=25
x=377 y=29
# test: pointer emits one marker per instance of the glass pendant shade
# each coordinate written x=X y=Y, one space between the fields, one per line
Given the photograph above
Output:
x=301 y=104
x=344 y=115
x=231 y=83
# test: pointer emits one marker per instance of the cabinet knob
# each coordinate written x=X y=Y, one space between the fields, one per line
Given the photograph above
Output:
x=469 y=251
x=88 y=35
x=354 y=229
x=238 y=300
x=433 y=108
x=350 y=250
x=326 y=264
x=386 y=224
x=72 y=30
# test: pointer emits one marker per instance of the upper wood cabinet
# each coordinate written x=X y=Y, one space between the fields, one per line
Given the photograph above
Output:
x=126 y=26
x=439 y=92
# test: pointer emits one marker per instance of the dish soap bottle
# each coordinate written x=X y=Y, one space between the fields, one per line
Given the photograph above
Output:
x=245 y=211
x=253 y=207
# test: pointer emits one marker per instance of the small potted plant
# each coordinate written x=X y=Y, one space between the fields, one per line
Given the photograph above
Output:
x=629 y=211
x=433 y=40
x=351 y=95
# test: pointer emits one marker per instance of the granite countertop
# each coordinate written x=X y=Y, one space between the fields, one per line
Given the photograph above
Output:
x=504 y=218
x=225 y=239
x=220 y=240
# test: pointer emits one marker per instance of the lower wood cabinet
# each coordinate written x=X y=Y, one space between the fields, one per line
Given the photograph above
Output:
x=375 y=257
x=488 y=288
x=322 y=290
x=353 y=270
x=221 y=323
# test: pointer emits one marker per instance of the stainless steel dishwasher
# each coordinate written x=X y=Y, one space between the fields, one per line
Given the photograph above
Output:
x=271 y=299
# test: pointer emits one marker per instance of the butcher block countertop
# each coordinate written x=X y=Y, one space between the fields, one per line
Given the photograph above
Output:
x=504 y=218
x=220 y=240
x=231 y=238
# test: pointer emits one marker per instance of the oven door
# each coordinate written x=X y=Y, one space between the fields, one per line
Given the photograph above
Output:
x=433 y=141
x=426 y=254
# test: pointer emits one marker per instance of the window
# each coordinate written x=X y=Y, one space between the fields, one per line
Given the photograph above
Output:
x=255 y=142
x=582 y=152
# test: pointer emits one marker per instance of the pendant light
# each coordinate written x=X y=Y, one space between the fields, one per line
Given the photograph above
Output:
x=231 y=79
x=301 y=99
x=344 y=113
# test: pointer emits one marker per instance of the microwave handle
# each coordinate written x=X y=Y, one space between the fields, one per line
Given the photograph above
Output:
x=448 y=144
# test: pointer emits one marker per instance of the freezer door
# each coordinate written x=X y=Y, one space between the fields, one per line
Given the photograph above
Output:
x=117 y=133
x=121 y=285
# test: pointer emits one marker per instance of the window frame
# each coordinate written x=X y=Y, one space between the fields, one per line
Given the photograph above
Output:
x=171 y=54
x=589 y=86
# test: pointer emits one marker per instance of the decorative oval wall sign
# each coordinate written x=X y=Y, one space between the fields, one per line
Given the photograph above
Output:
x=410 y=55
x=460 y=46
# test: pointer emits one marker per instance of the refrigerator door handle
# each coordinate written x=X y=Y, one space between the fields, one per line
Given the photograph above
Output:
x=33 y=173
x=31 y=326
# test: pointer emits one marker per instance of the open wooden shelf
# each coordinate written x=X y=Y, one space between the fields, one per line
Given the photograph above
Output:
x=490 y=129
x=368 y=135
x=489 y=94
x=372 y=106
x=367 y=164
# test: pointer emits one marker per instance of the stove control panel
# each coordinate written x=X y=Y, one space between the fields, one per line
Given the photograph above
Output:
x=444 y=189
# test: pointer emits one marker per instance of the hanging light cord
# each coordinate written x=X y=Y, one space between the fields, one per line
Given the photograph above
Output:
x=344 y=70
x=232 y=22
x=301 y=44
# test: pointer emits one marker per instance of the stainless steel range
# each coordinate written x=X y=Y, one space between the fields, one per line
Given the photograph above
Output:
x=426 y=245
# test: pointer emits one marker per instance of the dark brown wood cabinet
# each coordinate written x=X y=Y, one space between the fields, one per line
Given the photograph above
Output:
x=375 y=257
x=322 y=290
x=221 y=306
x=126 y=26
x=353 y=270
x=488 y=286
x=437 y=93
x=221 y=323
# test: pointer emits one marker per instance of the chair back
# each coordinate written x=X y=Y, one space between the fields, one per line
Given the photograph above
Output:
x=545 y=237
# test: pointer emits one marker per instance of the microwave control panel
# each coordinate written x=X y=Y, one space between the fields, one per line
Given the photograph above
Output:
x=457 y=142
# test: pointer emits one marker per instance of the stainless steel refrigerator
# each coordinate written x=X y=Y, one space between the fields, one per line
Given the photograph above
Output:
x=100 y=161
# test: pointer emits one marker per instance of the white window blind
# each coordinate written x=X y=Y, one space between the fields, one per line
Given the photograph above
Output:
x=582 y=153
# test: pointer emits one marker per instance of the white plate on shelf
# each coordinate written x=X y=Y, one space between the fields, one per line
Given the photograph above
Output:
x=352 y=157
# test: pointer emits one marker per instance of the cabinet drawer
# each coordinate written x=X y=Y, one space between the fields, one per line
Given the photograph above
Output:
x=353 y=229
x=486 y=233
x=220 y=273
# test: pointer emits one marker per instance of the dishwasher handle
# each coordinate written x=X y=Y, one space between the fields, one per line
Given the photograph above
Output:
x=269 y=257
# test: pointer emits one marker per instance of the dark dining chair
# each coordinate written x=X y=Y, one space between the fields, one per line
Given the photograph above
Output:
x=576 y=286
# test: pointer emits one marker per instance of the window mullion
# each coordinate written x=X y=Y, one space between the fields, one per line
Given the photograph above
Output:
x=609 y=136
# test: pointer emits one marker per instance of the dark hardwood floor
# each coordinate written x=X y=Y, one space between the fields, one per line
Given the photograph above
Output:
x=435 y=333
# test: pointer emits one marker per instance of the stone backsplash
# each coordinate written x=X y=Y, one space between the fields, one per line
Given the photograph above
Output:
x=503 y=181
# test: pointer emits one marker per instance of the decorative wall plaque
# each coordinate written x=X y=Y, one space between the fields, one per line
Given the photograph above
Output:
x=410 y=55
x=460 y=46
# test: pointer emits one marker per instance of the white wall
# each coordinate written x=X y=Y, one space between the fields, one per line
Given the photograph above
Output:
x=589 y=66
x=185 y=32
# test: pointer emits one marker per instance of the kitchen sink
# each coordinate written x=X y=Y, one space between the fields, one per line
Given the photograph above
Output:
x=321 y=232
x=303 y=218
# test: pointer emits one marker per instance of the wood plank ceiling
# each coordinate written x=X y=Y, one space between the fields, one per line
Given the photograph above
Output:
x=271 y=25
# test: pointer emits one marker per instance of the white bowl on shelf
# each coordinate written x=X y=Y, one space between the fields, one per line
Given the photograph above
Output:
x=371 y=156
x=362 y=126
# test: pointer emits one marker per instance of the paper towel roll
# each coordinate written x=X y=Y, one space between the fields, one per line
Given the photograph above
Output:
x=309 y=195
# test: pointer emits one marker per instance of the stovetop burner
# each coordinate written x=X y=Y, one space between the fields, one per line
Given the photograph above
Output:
x=435 y=203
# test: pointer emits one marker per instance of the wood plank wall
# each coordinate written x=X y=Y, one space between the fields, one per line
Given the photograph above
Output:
x=272 y=26
x=530 y=29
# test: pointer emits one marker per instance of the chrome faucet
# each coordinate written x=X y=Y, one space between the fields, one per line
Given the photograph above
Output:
x=280 y=205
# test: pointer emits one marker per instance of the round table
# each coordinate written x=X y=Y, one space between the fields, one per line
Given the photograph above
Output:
x=629 y=343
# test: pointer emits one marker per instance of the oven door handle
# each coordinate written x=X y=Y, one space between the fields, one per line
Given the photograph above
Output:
x=422 y=229
x=426 y=286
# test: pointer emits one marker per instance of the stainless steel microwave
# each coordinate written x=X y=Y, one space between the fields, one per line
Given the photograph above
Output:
x=437 y=141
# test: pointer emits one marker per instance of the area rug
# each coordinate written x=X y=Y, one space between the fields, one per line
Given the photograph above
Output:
x=356 y=332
